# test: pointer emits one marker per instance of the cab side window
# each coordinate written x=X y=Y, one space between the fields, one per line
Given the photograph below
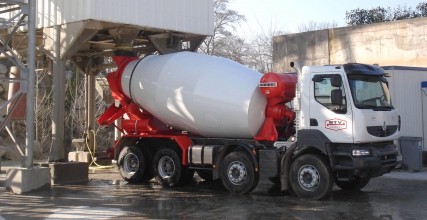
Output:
x=329 y=91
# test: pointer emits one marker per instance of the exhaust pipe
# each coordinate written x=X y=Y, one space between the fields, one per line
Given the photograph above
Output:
x=297 y=68
x=297 y=99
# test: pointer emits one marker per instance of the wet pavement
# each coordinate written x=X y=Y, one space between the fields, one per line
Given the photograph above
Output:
x=399 y=195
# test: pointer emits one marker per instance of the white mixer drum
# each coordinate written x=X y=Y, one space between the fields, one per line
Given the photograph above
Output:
x=206 y=95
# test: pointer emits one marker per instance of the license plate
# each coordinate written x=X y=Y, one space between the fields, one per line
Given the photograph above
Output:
x=399 y=158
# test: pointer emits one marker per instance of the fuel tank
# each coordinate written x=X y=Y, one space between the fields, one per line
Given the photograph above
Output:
x=206 y=95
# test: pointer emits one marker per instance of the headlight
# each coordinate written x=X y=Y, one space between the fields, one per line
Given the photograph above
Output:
x=360 y=153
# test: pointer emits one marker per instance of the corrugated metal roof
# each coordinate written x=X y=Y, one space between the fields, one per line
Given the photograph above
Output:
x=188 y=16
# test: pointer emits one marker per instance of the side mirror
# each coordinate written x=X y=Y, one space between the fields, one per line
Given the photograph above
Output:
x=317 y=78
x=336 y=81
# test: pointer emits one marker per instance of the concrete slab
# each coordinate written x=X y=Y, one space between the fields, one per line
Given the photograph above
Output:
x=101 y=158
x=23 y=180
x=79 y=156
x=68 y=172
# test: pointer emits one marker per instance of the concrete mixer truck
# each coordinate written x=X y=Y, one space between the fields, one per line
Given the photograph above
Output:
x=186 y=112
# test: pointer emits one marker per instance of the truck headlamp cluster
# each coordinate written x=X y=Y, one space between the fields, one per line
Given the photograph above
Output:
x=360 y=153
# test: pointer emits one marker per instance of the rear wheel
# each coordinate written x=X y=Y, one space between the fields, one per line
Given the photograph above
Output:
x=354 y=185
x=131 y=164
x=311 y=177
x=238 y=173
x=168 y=169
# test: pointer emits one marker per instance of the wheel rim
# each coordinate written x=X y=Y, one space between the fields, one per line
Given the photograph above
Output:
x=237 y=173
x=166 y=167
x=131 y=163
x=308 y=177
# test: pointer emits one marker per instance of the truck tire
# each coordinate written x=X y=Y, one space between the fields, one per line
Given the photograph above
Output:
x=205 y=174
x=311 y=177
x=168 y=169
x=238 y=173
x=132 y=164
x=354 y=185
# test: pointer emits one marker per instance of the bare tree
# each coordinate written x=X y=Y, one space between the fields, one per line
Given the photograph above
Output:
x=314 y=26
x=75 y=113
x=43 y=112
x=260 y=53
x=233 y=48
x=225 y=21
x=254 y=51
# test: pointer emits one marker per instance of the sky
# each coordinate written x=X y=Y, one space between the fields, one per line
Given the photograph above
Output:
x=289 y=14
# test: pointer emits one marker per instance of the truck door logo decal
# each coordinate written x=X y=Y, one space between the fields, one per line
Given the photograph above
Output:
x=336 y=124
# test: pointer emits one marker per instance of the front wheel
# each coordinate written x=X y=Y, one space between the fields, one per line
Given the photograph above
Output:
x=238 y=173
x=168 y=169
x=311 y=177
x=354 y=185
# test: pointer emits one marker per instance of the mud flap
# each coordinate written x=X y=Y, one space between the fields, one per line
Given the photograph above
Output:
x=285 y=166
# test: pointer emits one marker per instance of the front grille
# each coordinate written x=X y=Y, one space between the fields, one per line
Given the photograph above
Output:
x=378 y=131
x=384 y=149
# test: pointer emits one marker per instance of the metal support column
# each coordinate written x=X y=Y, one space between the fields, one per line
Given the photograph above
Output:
x=118 y=123
x=31 y=65
x=90 y=106
x=57 y=148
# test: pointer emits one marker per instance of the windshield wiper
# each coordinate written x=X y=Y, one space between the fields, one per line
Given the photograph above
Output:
x=364 y=106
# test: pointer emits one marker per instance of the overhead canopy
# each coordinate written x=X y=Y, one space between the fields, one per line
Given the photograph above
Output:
x=93 y=28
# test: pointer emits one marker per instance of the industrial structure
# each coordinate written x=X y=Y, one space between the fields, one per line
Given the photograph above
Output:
x=84 y=32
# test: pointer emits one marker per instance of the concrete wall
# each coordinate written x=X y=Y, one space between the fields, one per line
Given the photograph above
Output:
x=310 y=47
x=390 y=43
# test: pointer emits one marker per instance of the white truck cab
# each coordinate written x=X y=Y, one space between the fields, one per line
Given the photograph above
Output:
x=364 y=114
x=345 y=111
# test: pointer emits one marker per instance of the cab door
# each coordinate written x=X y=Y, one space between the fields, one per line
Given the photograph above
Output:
x=330 y=111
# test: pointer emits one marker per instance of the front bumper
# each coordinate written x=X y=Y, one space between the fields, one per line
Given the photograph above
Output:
x=383 y=157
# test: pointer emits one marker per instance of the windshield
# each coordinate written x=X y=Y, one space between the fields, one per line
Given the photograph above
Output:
x=370 y=92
